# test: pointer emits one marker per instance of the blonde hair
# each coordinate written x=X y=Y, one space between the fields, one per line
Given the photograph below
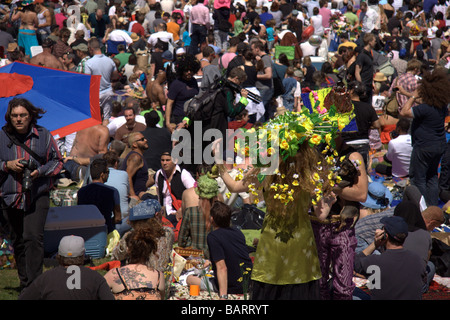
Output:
x=132 y=138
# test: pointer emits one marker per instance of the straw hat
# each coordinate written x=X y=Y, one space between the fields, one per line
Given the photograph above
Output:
x=134 y=37
x=12 y=47
x=280 y=111
x=379 y=77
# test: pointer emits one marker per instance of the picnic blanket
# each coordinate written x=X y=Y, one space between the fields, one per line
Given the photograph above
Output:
x=181 y=292
x=439 y=288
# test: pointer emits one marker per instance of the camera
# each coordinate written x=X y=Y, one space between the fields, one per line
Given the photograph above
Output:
x=237 y=89
x=28 y=167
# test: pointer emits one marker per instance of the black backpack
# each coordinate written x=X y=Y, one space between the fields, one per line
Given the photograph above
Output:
x=201 y=106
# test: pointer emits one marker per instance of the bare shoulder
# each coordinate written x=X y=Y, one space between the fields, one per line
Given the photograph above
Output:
x=101 y=129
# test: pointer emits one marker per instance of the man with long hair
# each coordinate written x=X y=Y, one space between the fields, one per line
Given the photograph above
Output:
x=25 y=208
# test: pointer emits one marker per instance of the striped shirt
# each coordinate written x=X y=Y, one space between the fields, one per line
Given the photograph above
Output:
x=81 y=67
x=365 y=227
x=44 y=145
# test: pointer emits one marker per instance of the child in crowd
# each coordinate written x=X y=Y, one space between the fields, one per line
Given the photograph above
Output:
x=270 y=25
x=238 y=24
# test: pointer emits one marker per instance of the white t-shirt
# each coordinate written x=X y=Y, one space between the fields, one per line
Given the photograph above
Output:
x=370 y=20
x=378 y=102
x=298 y=90
x=397 y=4
x=317 y=24
x=308 y=49
x=399 y=153
x=162 y=35
x=116 y=123
x=120 y=35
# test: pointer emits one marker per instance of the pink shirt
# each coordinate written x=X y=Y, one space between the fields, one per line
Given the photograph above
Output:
x=200 y=15
x=226 y=58
x=326 y=15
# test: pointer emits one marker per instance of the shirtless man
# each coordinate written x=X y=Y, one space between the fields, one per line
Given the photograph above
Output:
x=46 y=58
x=155 y=90
x=88 y=143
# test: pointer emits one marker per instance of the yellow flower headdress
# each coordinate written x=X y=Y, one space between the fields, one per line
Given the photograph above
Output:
x=318 y=127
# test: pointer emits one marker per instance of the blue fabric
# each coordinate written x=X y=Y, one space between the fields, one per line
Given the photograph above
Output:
x=119 y=180
x=64 y=95
x=27 y=39
x=111 y=46
x=334 y=43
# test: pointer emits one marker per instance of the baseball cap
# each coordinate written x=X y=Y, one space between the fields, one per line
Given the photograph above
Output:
x=144 y=210
x=82 y=47
x=71 y=247
x=167 y=55
x=394 y=225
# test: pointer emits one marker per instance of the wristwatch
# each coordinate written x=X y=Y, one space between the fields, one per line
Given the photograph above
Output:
x=224 y=296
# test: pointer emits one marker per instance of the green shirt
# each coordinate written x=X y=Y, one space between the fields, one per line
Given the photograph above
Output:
x=161 y=117
x=352 y=18
x=123 y=58
x=238 y=27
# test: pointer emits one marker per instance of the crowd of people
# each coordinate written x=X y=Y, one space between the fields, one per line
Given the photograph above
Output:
x=388 y=60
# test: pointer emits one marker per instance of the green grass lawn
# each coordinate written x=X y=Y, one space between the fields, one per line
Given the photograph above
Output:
x=9 y=284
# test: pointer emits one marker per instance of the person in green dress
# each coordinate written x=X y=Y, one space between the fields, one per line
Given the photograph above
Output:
x=286 y=265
